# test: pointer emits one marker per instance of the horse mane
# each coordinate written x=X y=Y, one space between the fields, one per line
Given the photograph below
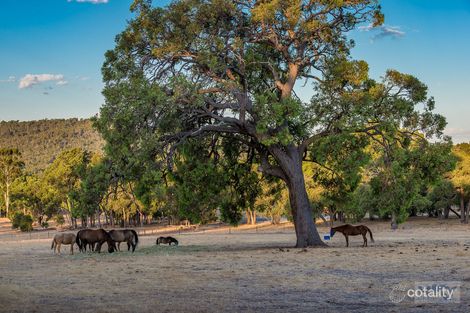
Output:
x=340 y=227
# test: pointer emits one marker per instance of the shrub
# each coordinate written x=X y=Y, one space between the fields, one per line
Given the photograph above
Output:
x=16 y=219
x=59 y=219
x=26 y=223
x=22 y=221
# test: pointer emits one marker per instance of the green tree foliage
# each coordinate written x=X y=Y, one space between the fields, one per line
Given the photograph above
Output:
x=198 y=68
x=22 y=221
x=460 y=178
x=11 y=167
x=198 y=184
x=440 y=198
x=95 y=181
x=401 y=171
x=32 y=194
x=64 y=176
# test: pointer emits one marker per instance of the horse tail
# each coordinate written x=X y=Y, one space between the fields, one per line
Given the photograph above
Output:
x=53 y=242
x=77 y=241
x=136 y=237
x=370 y=233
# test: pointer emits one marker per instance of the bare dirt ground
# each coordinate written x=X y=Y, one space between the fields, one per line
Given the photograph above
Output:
x=242 y=271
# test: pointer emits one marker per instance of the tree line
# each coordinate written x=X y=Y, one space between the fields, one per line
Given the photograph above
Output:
x=208 y=182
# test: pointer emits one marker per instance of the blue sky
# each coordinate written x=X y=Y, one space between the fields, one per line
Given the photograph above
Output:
x=53 y=50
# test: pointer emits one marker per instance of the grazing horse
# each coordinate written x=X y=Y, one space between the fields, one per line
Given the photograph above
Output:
x=83 y=246
x=168 y=240
x=63 y=239
x=350 y=230
x=127 y=235
x=92 y=236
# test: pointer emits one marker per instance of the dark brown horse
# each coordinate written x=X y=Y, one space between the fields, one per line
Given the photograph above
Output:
x=168 y=240
x=92 y=236
x=127 y=235
x=350 y=230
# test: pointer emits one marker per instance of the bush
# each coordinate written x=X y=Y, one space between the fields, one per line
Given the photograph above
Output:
x=59 y=219
x=26 y=223
x=22 y=221
x=16 y=219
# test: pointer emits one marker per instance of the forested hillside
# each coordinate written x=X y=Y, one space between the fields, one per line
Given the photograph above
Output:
x=41 y=141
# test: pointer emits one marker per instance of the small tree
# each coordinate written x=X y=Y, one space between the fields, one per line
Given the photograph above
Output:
x=460 y=178
x=11 y=167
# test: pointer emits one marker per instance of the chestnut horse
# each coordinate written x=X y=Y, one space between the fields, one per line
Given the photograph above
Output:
x=63 y=239
x=350 y=230
x=92 y=236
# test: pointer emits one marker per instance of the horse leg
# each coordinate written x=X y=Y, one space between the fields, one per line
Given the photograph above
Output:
x=55 y=246
x=347 y=240
x=58 y=247
x=98 y=246
x=119 y=246
x=128 y=246
x=365 y=240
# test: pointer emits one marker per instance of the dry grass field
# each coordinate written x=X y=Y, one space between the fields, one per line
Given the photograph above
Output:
x=242 y=271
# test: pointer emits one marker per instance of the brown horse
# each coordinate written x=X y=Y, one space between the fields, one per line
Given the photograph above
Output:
x=127 y=235
x=168 y=240
x=63 y=239
x=350 y=230
x=92 y=236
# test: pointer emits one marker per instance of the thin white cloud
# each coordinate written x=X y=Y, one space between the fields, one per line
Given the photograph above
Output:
x=30 y=80
x=62 y=83
x=458 y=134
x=10 y=79
x=383 y=31
x=90 y=1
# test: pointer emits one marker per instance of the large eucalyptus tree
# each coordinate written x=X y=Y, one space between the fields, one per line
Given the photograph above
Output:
x=230 y=68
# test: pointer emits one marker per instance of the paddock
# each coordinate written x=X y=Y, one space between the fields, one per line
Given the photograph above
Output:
x=249 y=271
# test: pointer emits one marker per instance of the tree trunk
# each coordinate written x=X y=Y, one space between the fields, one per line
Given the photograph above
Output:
x=99 y=218
x=7 y=198
x=250 y=217
x=305 y=228
x=462 y=208
x=466 y=212
x=394 y=223
x=341 y=217
x=446 y=212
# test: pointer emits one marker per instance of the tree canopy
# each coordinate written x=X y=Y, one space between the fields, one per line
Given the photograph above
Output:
x=227 y=69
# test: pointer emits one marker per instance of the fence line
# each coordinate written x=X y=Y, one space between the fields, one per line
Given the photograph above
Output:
x=149 y=232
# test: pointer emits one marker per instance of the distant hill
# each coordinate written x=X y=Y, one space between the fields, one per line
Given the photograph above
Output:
x=41 y=141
